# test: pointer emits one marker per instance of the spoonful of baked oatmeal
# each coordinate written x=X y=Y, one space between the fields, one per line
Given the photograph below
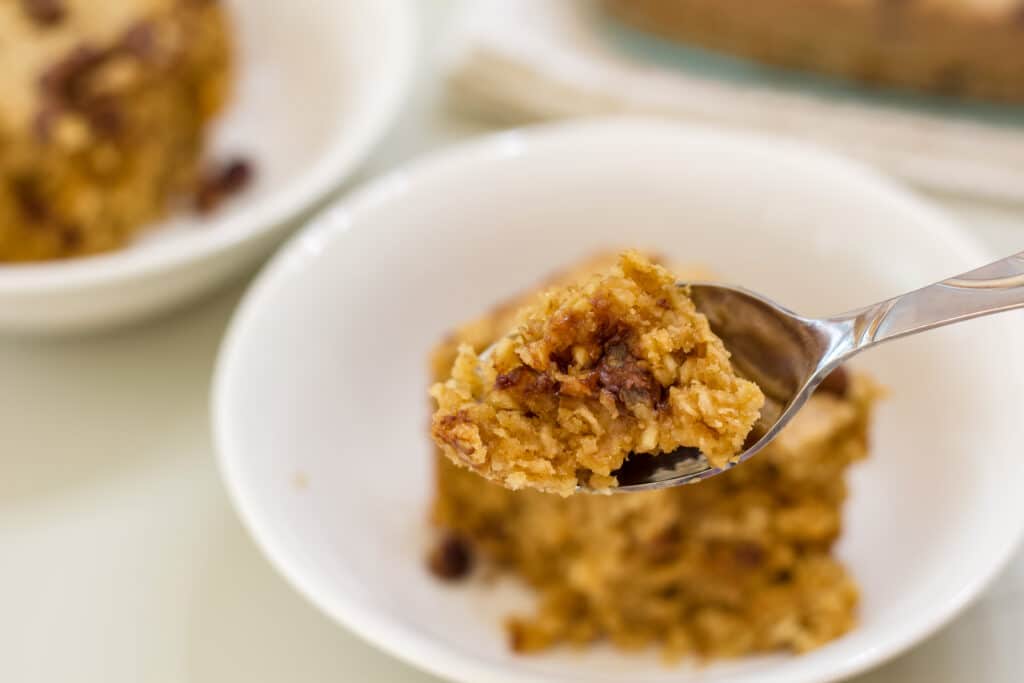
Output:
x=620 y=364
x=633 y=381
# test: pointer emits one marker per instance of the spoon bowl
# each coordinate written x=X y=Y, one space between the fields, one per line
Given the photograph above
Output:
x=788 y=355
x=785 y=354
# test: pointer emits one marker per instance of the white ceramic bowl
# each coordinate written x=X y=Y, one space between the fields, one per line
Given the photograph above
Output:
x=322 y=377
x=320 y=81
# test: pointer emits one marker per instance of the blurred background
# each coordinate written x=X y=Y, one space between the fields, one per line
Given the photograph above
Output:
x=120 y=557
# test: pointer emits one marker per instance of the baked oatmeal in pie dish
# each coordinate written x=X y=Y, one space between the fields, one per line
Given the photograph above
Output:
x=102 y=120
x=616 y=364
x=963 y=48
x=738 y=564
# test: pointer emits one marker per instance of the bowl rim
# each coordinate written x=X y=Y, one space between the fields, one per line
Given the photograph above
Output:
x=334 y=164
x=420 y=650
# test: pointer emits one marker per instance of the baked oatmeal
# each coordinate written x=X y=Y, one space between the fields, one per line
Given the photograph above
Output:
x=617 y=364
x=955 y=47
x=738 y=564
x=102 y=116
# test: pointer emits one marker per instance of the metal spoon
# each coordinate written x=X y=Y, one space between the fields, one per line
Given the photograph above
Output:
x=788 y=355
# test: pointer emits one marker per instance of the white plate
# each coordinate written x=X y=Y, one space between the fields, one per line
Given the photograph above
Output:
x=321 y=379
x=319 y=83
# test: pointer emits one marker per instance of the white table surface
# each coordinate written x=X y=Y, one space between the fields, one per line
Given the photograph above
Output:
x=121 y=560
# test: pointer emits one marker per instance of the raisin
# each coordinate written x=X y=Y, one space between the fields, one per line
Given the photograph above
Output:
x=140 y=41
x=837 y=382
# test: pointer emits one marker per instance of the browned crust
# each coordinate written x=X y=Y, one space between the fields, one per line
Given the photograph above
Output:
x=955 y=49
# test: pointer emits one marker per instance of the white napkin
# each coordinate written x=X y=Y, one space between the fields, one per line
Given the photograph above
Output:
x=522 y=60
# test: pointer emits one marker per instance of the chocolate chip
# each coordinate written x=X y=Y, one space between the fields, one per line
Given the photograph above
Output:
x=29 y=198
x=44 y=12
x=45 y=121
x=621 y=374
x=60 y=82
x=783 y=576
x=446 y=431
x=664 y=545
x=70 y=237
x=837 y=382
x=516 y=636
x=507 y=380
x=562 y=358
x=105 y=117
x=616 y=353
x=452 y=559
x=526 y=380
x=140 y=41
x=237 y=175
x=208 y=197
x=749 y=555
x=230 y=178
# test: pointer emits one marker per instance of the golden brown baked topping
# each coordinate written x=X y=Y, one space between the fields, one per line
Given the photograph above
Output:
x=621 y=363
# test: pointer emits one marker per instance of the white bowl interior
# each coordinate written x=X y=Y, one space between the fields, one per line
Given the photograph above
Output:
x=323 y=377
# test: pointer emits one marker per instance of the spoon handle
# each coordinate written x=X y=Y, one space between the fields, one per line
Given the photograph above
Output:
x=997 y=287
